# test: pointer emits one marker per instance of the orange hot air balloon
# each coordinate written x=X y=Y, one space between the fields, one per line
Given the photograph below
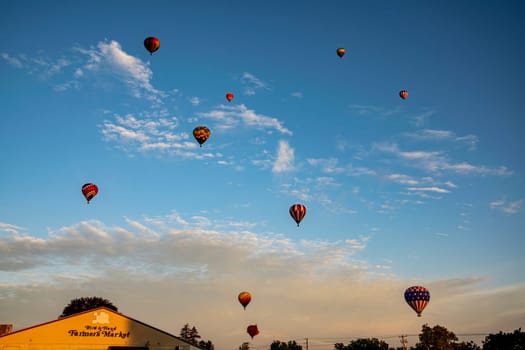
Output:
x=341 y=52
x=201 y=134
x=229 y=96
x=151 y=44
x=244 y=299
x=89 y=191
x=417 y=297
x=252 y=330
x=297 y=212
x=403 y=94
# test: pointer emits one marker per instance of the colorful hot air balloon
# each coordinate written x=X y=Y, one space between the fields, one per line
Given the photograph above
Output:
x=89 y=191
x=417 y=297
x=201 y=134
x=297 y=211
x=244 y=298
x=403 y=94
x=341 y=52
x=229 y=96
x=151 y=44
x=252 y=330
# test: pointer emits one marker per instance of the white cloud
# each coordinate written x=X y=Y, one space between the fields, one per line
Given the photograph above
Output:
x=365 y=110
x=327 y=165
x=230 y=116
x=444 y=135
x=429 y=189
x=252 y=84
x=297 y=94
x=14 y=61
x=402 y=179
x=111 y=59
x=153 y=133
x=507 y=207
x=285 y=158
x=10 y=228
x=436 y=161
x=195 y=101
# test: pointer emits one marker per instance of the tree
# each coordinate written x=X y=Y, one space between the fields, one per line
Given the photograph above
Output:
x=87 y=303
x=507 y=341
x=291 y=345
x=363 y=344
x=466 y=346
x=245 y=346
x=436 y=338
x=190 y=334
x=208 y=345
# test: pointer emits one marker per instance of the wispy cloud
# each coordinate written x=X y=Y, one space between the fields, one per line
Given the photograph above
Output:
x=370 y=110
x=507 y=207
x=10 y=228
x=436 y=161
x=297 y=94
x=284 y=161
x=195 y=101
x=151 y=134
x=428 y=189
x=444 y=135
x=231 y=116
x=109 y=57
x=421 y=119
x=252 y=84
x=37 y=64
x=14 y=61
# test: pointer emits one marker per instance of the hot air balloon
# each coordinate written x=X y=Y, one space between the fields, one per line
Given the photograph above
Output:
x=229 y=96
x=403 y=94
x=417 y=297
x=252 y=330
x=151 y=44
x=341 y=52
x=297 y=211
x=244 y=299
x=201 y=134
x=89 y=191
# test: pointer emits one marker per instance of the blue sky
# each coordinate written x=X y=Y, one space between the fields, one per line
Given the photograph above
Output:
x=427 y=190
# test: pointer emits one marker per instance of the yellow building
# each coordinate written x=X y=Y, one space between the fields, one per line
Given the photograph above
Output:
x=97 y=329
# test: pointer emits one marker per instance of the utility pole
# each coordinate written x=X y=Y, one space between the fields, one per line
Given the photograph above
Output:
x=404 y=341
x=306 y=343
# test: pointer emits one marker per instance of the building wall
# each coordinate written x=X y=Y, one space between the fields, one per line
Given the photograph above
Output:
x=97 y=329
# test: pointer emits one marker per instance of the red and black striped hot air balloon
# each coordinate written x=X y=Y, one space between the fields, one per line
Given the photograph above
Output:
x=297 y=212
x=229 y=96
x=341 y=52
x=403 y=94
x=252 y=330
x=244 y=298
x=201 y=134
x=417 y=297
x=89 y=191
x=151 y=44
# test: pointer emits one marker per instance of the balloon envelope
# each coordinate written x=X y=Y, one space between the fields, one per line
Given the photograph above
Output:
x=244 y=298
x=341 y=52
x=297 y=212
x=201 y=134
x=89 y=191
x=417 y=297
x=151 y=44
x=403 y=94
x=252 y=330
x=229 y=96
